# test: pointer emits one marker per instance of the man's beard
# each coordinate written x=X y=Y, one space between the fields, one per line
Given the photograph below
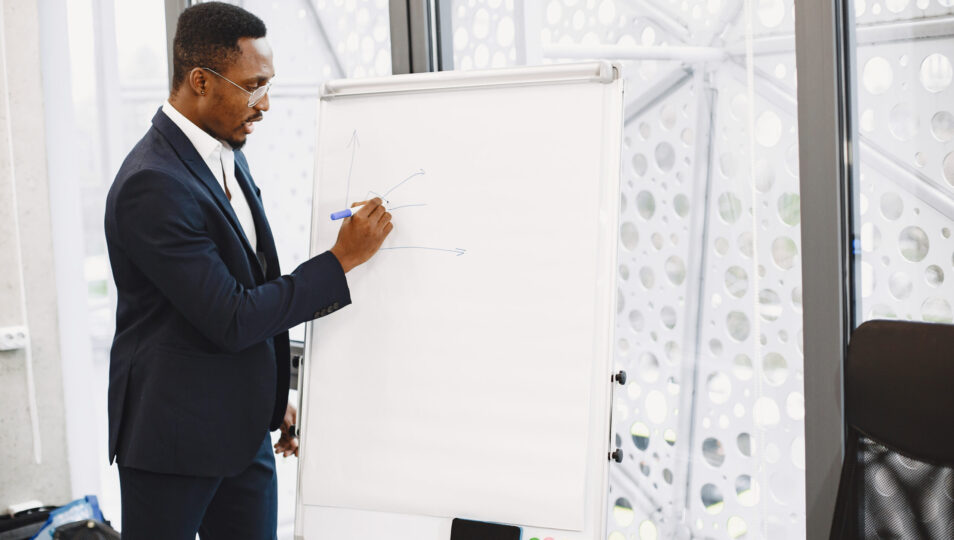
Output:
x=236 y=145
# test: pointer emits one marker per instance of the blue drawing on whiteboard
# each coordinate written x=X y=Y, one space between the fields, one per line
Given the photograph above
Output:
x=354 y=143
x=458 y=251
x=393 y=208
x=401 y=183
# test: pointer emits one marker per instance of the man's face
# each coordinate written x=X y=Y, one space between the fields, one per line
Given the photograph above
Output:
x=227 y=114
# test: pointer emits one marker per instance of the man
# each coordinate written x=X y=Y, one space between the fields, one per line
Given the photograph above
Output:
x=199 y=363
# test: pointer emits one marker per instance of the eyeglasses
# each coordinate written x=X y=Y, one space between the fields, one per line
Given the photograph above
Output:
x=253 y=97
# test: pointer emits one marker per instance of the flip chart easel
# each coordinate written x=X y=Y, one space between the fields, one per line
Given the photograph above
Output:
x=471 y=377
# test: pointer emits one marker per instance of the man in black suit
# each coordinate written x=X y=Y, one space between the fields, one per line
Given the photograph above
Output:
x=199 y=363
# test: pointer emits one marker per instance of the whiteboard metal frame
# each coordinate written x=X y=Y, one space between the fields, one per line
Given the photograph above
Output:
x=600 y=72
x=603 y=72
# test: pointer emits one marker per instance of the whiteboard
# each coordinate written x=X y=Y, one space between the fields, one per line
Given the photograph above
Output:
x=471 y=375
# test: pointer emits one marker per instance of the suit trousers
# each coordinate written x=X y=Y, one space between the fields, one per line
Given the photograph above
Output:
x=176 y=507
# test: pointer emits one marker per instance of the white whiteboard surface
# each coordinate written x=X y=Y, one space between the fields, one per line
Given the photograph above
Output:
x=470 y=377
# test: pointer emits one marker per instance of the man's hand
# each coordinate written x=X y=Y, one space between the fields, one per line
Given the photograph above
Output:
x=362 y=234
x=288 y=443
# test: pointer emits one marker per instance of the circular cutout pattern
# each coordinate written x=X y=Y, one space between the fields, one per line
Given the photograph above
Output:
x=789 y=209
x=719 y=387
x=675 y=270
x=936 y=310
x=774 y=368
x=742 y=367
x=936 y=72
x=640 y=434
x=744 y=442
x=629 y=236
x=647 y=277
x=639 y=164
x=712 y=499
x=891 y=206
x=746 y=490
x=649 y=367
x=645 y=205
x=771 y=13
x=947 y=168
x=665 y=156
x=903 y=121
x=913 y=243
x=784 y=252
x=681 y=205
x=770 y=305
x=900 y=285
x=934 y=275
x=877 y=76
x=738 y=326
x=736 y=281
x=730 y=208
x=942 y=126
x=713 y=452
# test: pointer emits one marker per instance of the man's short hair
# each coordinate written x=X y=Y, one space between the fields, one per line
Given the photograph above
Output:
x=207 y=36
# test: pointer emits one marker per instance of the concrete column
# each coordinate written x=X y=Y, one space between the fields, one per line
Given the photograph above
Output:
x=27 y=279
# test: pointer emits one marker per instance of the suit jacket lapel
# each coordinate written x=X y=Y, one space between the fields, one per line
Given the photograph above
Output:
x=190 y=156
x=266 y=243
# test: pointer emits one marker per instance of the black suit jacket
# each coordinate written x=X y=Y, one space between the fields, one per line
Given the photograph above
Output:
x=199 y=365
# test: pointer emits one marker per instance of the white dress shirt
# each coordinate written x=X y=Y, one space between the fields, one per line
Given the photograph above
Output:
x=219 y=157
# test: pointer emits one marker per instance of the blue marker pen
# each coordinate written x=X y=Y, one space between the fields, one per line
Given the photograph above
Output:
x=341 y=214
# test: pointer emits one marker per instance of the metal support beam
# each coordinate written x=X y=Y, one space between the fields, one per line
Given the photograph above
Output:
x=413 y=36
x=400 y=37
x=444 y=34
x=173 y=9
x=826 y=153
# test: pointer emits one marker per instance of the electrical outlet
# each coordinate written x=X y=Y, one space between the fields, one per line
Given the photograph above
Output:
x=13 y=338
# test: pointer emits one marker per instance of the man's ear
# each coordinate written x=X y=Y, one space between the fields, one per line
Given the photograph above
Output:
x=198 y=81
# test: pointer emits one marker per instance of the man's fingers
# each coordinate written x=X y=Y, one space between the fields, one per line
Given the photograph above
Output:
x=387 y=229
x=359 y=203
x=385 y=220
x=286 y=446
x=369 y=207
x=375 y=216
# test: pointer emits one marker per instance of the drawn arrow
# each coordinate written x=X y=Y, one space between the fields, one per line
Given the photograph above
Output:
x=353 y=143
x=399 y=184
x=458 y=251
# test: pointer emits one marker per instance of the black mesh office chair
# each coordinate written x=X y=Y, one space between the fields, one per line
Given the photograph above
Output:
x=897 y=481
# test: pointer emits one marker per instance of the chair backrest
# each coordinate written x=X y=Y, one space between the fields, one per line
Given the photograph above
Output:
x=899 y=387
x=898 y=480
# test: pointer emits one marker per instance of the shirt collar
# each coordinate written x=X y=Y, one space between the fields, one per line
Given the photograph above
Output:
x=204 y=143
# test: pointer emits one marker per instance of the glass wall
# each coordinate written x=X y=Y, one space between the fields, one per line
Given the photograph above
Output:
x=904 y=196
x=709 y=292
x=118 y=79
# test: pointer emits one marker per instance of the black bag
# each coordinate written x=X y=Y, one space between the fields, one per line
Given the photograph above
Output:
x=86 y=529
x=23 y=525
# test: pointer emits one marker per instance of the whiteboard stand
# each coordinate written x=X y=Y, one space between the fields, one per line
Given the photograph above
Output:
x=471 y=377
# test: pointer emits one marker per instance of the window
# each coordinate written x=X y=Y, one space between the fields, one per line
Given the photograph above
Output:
x=904 y=199
x=709 y=307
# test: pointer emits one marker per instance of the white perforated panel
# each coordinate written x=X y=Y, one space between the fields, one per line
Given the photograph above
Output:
x=709 y=298
x=905 y=200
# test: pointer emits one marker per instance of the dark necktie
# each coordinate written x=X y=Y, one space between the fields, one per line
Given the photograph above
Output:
x=224 y=177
